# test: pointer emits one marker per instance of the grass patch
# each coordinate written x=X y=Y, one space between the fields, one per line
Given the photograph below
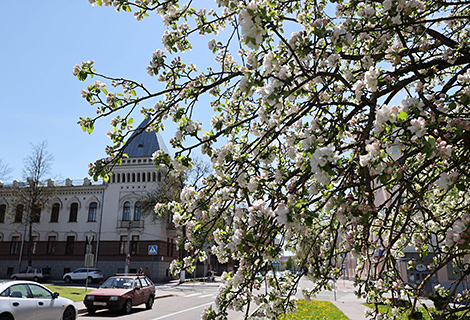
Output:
x=72 y=293
x=316 y=310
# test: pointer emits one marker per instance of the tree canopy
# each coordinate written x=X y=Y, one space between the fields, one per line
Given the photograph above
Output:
x=344 y=124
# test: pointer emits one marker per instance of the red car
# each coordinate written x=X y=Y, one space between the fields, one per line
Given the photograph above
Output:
x=121 y=292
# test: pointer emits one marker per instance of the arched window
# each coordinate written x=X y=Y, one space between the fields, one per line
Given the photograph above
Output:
x=73 y=212
x=126 y=211
x=19 y=213
x=3 y=210
x=137 y=211
x=55 y=212
x=92 y=212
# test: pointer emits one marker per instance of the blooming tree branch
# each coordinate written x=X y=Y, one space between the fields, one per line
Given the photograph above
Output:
x=340 y=131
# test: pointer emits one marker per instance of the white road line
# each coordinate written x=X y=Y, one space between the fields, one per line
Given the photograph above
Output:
x=192 y=295
x=207 y=295
x=182 y=311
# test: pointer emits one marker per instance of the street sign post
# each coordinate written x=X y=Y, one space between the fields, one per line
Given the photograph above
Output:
x=153 y=249
x=89 y=260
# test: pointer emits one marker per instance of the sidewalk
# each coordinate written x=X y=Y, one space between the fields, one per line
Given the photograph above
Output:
x=349 y=304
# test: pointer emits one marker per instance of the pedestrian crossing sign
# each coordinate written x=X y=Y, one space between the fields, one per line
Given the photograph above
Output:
x=153 y=249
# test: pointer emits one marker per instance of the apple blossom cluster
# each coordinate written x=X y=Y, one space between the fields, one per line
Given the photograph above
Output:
x=156 y=63
x=458 y=234
x=253 y=31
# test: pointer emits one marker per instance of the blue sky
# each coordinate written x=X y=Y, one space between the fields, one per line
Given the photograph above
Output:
x=40 y=100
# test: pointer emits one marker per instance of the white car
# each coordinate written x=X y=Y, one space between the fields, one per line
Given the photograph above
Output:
x=81 y=274
x=30 y=273
x=21 y=300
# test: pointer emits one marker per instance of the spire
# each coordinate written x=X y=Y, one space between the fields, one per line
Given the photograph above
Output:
x=144 y=143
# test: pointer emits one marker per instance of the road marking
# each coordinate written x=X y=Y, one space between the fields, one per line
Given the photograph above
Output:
x=207 y=295
x=182 y=311
x=193 y=294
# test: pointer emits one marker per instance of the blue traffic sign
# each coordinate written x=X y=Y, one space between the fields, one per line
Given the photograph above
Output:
x=153 y=249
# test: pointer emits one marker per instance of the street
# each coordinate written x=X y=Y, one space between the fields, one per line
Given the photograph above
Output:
x=174 y=302
x=187 y=302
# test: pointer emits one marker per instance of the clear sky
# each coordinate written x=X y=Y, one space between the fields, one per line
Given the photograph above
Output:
x=41 y=41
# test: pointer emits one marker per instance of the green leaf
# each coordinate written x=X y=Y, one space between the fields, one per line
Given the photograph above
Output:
x=402 y=115
x=338 y=47
x=130 y=121
x=465 y=100
x=99 y=2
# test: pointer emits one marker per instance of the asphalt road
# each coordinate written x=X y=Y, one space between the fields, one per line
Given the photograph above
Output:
x=185 y=302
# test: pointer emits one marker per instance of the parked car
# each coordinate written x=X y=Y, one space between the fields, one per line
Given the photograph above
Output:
x=20 y=300
x=121 y=292
x=81 y=274
x=34 y=274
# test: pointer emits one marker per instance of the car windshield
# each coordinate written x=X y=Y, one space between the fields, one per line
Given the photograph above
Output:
x=122 y=283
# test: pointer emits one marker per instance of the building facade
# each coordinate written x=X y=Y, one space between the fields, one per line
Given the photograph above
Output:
x=99 y=218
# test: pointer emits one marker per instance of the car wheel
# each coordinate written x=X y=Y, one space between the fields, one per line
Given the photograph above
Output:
x=15 y=278
x=35 y=279
x=4 y=317
x=91 y=310
x=68 y=279
x=149 y=303
x=90 y=280
x=69 y=314
x=127 y=306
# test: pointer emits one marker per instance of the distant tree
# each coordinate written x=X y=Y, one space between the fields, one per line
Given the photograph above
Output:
x=34 y=192
x=5 y=170
x=170 y=187
x=290 y=263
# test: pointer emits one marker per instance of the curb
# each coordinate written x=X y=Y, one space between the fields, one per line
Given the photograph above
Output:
x=83 y=310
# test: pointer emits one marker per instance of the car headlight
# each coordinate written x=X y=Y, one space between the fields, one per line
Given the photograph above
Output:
x=90 y=297
x=113 y=298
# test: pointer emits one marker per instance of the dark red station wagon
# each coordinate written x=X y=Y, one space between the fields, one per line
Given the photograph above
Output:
x=121 y=292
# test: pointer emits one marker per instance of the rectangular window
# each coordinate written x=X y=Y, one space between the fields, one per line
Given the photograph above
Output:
x=3 y=210
x=135 y=245
x=73 y=212
x=51 y=243
x=15 y=245
x=19 y=214
x=69 y=245
x=55 y=212
x=36 y=214
x=123 y=245
x=92 y=212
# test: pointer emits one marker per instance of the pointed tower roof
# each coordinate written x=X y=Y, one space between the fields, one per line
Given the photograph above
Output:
x=144 y=143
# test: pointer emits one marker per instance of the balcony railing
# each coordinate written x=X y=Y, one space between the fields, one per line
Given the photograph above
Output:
x=130 y=224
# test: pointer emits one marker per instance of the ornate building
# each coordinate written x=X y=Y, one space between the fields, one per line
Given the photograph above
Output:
x=103 y=219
